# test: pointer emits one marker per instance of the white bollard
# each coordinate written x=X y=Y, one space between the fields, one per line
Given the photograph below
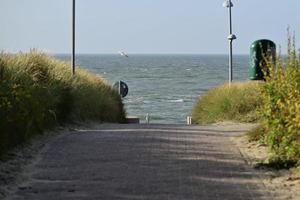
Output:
x=147 y=118
x=189 y=120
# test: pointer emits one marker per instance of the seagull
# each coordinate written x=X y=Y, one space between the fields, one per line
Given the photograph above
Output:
x=122 y=53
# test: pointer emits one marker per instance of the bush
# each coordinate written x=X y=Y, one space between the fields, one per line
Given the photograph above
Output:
x=281 y=110
x=38 y=92
x=236 y=102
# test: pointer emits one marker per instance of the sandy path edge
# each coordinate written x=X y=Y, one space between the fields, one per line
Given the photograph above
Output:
x=14 y=163
x=282 y=184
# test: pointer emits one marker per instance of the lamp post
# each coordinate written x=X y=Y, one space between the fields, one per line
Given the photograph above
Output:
x=73 y=37
x=228 y=4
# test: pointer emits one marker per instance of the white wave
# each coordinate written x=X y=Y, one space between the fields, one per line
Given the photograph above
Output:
x=177 y=101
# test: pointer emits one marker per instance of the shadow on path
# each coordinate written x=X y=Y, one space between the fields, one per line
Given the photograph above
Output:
x=143 y=162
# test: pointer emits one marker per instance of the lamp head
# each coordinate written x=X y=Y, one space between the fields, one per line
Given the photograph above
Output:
x=231 y=37
x=227 y=4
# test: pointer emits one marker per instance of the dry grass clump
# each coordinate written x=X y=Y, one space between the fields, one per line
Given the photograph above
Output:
x=38 y=92
x=236 y=102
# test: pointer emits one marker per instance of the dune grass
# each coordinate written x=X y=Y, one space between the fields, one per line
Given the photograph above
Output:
x=237 y=102
x=38 y=92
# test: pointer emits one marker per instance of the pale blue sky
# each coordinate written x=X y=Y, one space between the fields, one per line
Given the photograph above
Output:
x=144 y=26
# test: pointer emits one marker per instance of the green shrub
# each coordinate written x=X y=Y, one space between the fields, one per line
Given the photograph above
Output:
x=235 y=102
x=281 y=110
x=38 y=92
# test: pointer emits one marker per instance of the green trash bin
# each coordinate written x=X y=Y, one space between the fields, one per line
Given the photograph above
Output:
x=259 y=51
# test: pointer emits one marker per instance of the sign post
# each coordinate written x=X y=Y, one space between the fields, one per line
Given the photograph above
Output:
x=73 y=37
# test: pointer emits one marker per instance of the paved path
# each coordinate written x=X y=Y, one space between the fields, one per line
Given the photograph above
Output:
x=140 y=162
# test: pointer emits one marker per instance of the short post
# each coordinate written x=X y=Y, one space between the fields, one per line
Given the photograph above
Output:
x=189 y=120
x=147 y=118
x=119 y=87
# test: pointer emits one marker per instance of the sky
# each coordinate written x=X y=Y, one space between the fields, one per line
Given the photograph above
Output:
x=144 y=26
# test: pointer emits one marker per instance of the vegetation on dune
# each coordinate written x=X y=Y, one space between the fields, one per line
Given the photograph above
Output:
x=281 y=106
x=237 y=102
x=38 y=92
x=275 y=103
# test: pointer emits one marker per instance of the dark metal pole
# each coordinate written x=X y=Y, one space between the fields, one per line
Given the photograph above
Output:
x=230 y=44
x=230 y=24
x=73 y=37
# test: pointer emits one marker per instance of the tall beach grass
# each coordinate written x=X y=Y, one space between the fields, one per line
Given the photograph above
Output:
x=38 y=92
x=236 y=102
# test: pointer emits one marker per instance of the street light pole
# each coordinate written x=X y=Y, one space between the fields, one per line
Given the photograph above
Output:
x=228 y=4
x=73 y=37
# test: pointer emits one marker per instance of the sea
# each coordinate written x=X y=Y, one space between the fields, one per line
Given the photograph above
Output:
x=164 y=87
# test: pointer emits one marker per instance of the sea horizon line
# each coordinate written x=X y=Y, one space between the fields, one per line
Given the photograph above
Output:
x=198 y=54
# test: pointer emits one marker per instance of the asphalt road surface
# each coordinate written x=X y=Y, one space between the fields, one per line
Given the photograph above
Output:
x=142 y=162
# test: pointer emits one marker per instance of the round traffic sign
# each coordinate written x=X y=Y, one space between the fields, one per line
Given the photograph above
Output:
x=122 y=88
